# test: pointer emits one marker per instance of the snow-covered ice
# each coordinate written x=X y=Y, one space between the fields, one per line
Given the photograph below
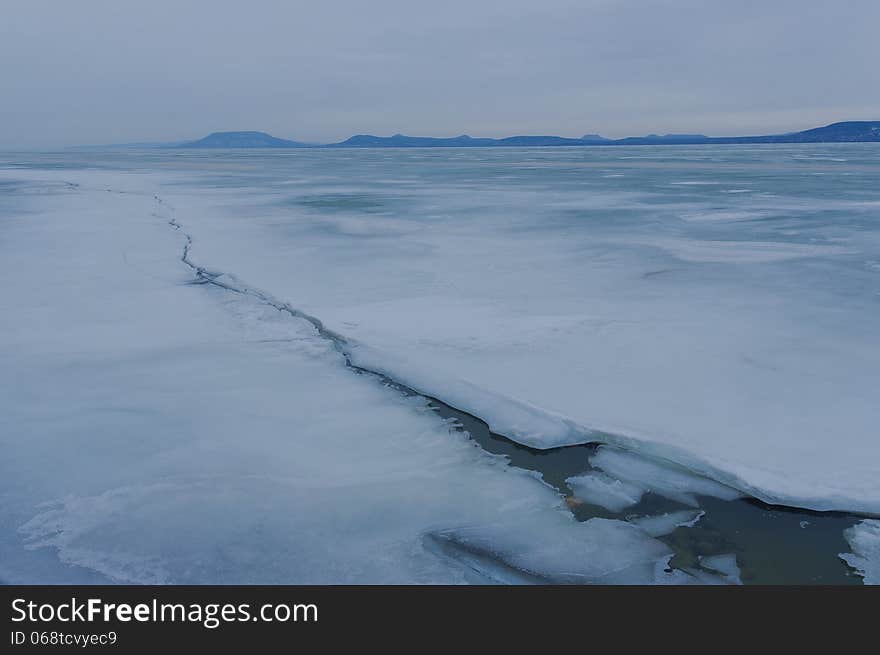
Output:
x=157 y=431
x=722 y=343
x=563 y=306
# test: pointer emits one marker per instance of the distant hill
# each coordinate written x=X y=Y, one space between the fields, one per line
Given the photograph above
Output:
x=594 y=138
x=844 y=132
x=539 y=141
x=463 y=141
x=664 y=139
x=403 y=141
x=241 y=140
x=849 y=131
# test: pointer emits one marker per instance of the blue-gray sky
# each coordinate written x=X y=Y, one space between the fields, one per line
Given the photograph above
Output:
x=106 y=71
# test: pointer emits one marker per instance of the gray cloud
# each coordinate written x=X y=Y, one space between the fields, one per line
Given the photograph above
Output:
x=100 y=71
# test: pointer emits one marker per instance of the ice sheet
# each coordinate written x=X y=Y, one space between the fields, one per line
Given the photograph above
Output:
x=159 y=431
x=563 y=306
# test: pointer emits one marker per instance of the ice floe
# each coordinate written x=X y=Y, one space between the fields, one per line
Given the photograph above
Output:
x=666 y=480
x=663 y=524
x=599 y=489
x=864 y=540
x=725 y=565
x=597 y=551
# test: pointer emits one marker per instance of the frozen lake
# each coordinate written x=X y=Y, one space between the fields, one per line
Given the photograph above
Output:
x=710 y=314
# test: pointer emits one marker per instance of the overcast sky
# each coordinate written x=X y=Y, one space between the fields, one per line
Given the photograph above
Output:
x=108 y=71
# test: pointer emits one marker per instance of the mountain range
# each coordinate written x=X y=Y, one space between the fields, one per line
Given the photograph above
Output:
x=843 y=132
